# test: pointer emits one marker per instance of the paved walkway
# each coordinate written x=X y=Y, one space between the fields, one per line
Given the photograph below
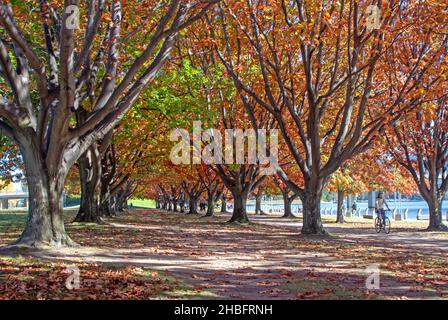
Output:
x=416 y=238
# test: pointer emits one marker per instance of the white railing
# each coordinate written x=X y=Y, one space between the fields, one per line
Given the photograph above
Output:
x=14 y=196
x=396 y=214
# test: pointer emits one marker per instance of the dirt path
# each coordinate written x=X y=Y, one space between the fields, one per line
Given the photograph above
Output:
x=264 y=260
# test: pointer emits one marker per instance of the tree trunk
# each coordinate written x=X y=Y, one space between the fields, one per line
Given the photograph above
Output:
x=113 y=206
x=89 y=208
x=108 y=207
x=174 y=205
x=223 y=204
x=90 y=178
x=45 y=224
x=182 y=203
x=312 y=223
x=435 y=214
x=239 y=207
x=182 y=206
x=210 y=204
x=121 y=201
x=287 y=201
x=106 y=200
x=340 y=213
x=105 y=208
x=193 y=205
x=258 y=197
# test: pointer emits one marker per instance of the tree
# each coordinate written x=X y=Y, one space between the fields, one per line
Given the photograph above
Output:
x=269 y=187
x=179 y=97
x=258 y=196
x=288 y=197
x=241 y=179
x=213 y=187
x=224 y=198
x=348 y=180
x=419 y=142
x=286 y=163
x=193 y=189
x=318 y=68
x=90 y=174
x=38 y=108
x=241 y=176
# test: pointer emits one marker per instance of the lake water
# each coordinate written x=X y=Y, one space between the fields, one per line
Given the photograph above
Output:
x=412 y=206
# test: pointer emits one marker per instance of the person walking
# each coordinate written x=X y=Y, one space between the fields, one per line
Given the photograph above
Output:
x=354 y=207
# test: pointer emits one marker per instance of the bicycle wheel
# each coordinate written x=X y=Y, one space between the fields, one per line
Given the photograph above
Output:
x=378 y=225
x=387 y=226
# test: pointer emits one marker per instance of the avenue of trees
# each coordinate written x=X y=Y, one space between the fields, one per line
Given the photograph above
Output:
x=53 y=70
x=360 y=103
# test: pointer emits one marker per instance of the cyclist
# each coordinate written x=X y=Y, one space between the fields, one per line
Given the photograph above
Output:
x=379 y=207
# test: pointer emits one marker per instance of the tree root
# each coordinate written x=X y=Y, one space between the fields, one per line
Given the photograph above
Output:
x=441 y=227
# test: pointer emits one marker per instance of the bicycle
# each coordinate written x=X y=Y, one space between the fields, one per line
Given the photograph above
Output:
x=379 y=223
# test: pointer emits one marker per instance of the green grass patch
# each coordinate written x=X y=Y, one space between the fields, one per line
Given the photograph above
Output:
x=12 y=218
x=12 y=223
x=142 y=203
x=322 y=289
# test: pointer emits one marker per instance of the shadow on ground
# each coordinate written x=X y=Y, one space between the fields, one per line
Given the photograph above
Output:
x=265 y=259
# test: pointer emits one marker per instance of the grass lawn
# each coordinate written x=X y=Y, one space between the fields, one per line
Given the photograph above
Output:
x=142 y=203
